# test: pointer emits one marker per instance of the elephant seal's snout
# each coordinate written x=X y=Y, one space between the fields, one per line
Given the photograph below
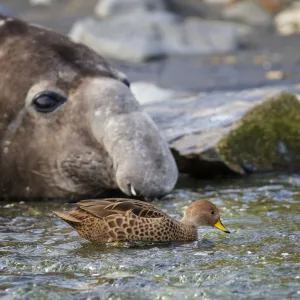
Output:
x=142 y=160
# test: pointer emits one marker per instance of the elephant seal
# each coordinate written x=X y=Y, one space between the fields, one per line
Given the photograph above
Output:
x=70 y=127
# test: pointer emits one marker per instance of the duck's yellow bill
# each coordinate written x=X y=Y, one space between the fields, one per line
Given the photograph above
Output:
x=220 y=226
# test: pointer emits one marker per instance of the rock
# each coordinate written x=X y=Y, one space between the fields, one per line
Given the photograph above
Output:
x=275 y=75
x=271 y=5
x=287 y=22
x=144 y=36
x=236 y=71
x=108 y=8
x=147 y=93
x=41 y=2
x=248 y=12
x=121 y=38
x=266 y=138
x=203 y=9
x=221 y=133
x=214 y=36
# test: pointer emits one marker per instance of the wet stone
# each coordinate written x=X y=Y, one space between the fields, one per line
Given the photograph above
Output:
x=142 y=36
x=202 y=131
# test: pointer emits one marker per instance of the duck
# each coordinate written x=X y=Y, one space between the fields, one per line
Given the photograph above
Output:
x=127 y=220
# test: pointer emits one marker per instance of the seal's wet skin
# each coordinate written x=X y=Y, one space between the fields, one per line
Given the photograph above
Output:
x=70 y=126
x=119 y=220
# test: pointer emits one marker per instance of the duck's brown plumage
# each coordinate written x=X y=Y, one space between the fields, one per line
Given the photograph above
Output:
x=110 y=220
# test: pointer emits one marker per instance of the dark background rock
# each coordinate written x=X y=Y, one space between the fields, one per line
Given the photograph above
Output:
x=198 y=8
x=108 y=8
x=249 y=12
x=60 y=16
x=265 y=51
x=238 y=70
x=147 y=35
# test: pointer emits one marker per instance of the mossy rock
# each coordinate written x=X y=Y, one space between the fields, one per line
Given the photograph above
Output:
x=221 y=133
x=267 y=138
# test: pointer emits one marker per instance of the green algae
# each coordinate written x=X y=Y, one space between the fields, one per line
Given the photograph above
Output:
x=267 y=138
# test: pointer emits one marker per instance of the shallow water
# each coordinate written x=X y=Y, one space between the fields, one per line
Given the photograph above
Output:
x=41 y=257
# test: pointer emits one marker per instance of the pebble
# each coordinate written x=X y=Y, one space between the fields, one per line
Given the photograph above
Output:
x=41 y=2
x=204 y=253
x=275 y=75
x=287 y=22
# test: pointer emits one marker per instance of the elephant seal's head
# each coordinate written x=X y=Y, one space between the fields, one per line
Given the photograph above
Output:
x=70 y=126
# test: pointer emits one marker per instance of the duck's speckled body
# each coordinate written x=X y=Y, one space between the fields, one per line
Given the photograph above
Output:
x=110 y=220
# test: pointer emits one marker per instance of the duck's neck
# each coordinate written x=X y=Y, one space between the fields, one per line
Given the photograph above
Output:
x=188 y=230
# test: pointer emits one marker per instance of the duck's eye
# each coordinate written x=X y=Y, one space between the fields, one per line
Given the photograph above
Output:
x=47 y=101
x=211 y=212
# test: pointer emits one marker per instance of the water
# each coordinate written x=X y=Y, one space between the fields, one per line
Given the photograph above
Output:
x=43 y=258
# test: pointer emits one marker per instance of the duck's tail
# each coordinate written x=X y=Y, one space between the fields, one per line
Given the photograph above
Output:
x=68 y=217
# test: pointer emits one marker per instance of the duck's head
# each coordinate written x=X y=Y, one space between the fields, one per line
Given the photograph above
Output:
x=203 y=213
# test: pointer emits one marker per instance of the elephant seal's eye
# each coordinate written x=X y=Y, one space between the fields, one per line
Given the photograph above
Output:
x=47 y=101
x=126 y=82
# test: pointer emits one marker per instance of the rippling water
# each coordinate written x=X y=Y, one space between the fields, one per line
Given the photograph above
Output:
x=43 y=258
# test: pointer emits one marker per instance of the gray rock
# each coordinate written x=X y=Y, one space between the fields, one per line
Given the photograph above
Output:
x=121 y=37
x=287 y=22
x=144 y=36
x=147 y=93
x=194 y=126
x=214 y=36
x=108 y=8
x=209 y=9
x=248 y=12
x=41 y=2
